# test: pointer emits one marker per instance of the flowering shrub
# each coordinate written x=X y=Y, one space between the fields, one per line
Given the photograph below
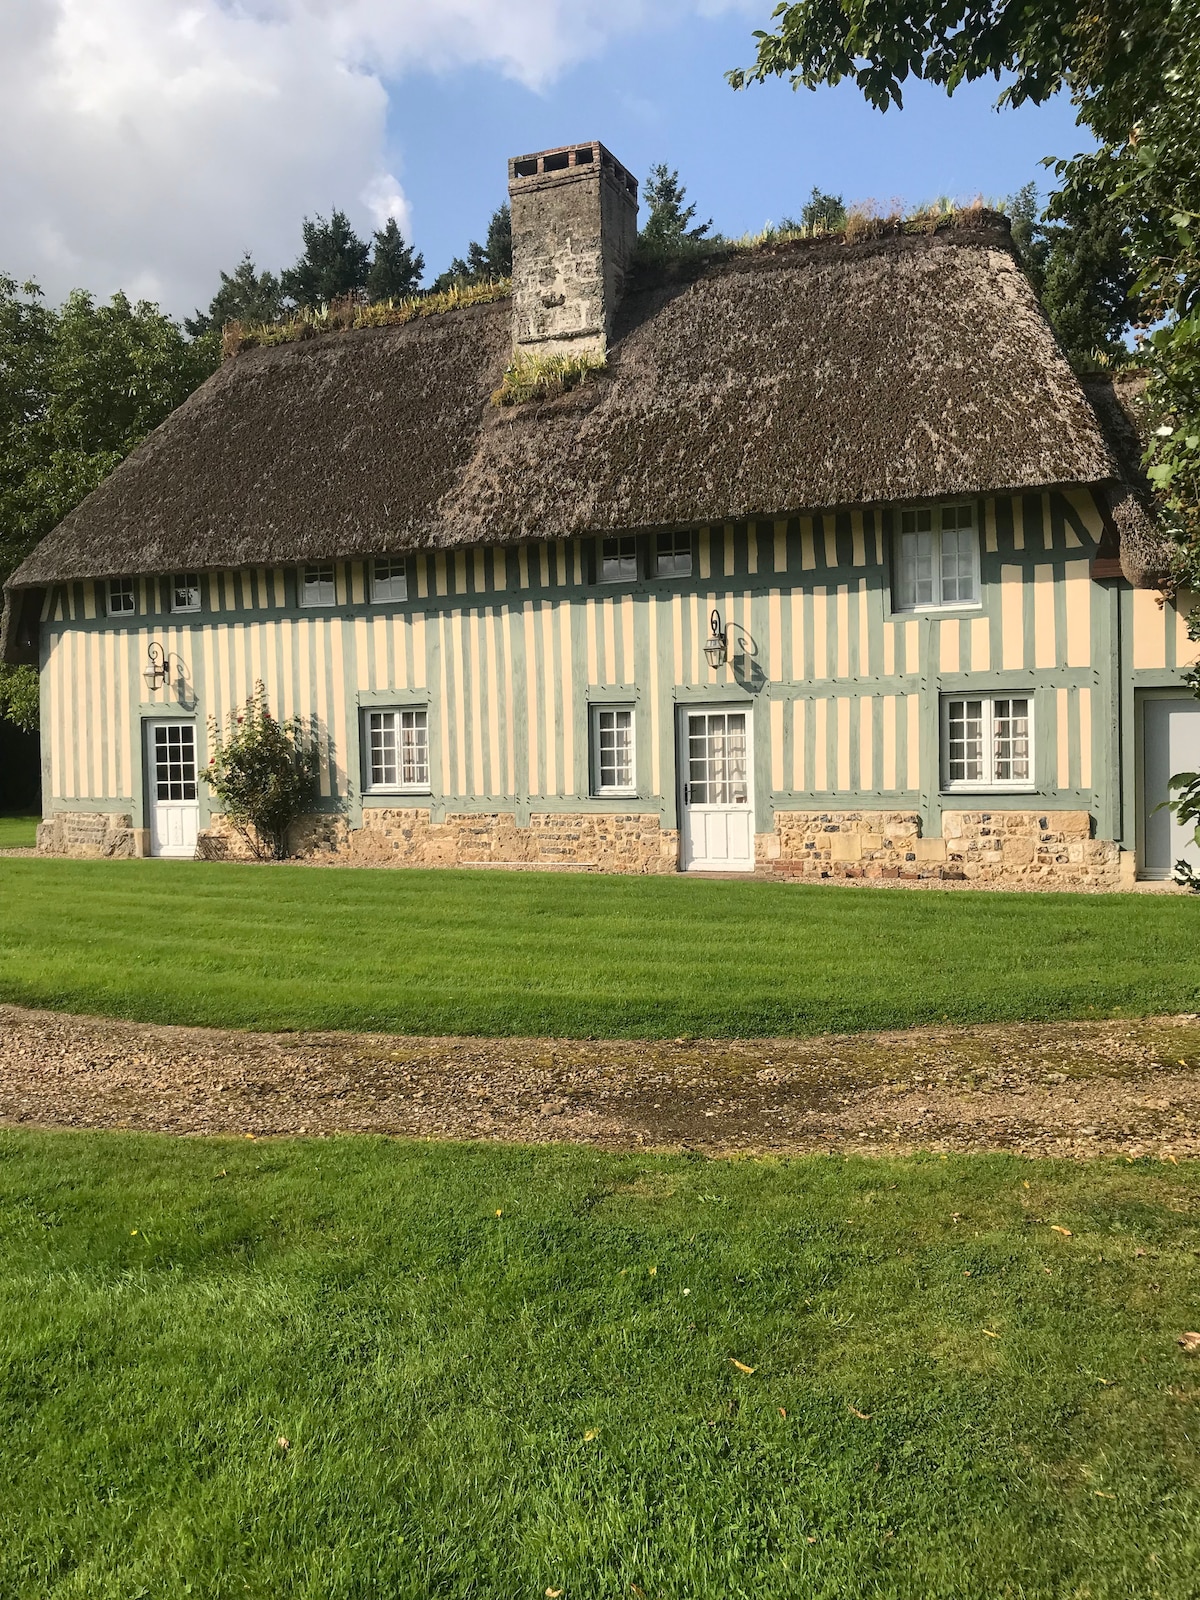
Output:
x=263 y=773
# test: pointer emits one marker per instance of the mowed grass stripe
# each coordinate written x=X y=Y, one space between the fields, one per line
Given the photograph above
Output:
x=451 y=952
x=501 y=1371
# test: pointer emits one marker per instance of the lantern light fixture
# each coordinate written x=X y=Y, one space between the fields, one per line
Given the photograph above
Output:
x=714 y=645
x=159 y=670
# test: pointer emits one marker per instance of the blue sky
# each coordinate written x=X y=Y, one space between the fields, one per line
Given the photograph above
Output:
x=145 y=144
x=745 y=157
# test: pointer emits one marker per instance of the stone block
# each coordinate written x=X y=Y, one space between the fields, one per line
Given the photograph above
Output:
x=928 y=850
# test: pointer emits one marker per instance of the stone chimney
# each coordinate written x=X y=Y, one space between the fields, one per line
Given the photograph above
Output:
x=574 y=226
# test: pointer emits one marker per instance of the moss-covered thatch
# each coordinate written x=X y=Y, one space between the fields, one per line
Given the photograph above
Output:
x=801 y=376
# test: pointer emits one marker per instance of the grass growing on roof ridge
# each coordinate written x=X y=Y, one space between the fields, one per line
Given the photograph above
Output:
x=348 y=312
x=355 y=1368
x=460 y=952
x=533 y=376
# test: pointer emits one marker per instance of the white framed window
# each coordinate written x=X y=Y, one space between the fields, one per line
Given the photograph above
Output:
x=987 y=741
x=317 y=586
x=119 y=599
x=396 y=750
x=673 y=555
x=618 y=559
x=937 y=558
x=185 y=591
x=613 y=768
x=389 y=579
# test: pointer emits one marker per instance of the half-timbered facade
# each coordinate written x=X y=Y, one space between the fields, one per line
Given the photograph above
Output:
x=861 y=474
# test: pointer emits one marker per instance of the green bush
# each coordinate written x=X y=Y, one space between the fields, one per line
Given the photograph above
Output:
x=263 y=774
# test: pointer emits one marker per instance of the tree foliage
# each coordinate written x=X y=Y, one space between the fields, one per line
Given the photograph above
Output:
x=245 y=295
x=822 y=213
x=1080 y=266
x=395 y=269
x=1132 y=68
x=19 y=696
x=263 y=773
x=484 y=262
x=80 y=386
x=668 y=228
x=335 y=262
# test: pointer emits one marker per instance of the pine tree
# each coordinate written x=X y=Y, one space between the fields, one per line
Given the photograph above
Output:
x=485 y=262
x=246 y=295
x=335 y=263
x=666 y=228
x=1077 y=257
x=823 y=213
x=395 y=270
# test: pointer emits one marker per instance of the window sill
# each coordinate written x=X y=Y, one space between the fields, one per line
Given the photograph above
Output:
x=958 y=791
x=392 y=794
x=615 y=794
x=964 y=607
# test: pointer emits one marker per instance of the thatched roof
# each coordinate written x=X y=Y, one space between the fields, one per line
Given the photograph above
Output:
x=802 y=377
x=1145 y=551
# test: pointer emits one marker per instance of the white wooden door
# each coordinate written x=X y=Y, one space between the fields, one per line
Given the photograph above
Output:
x=1171 y=744
x=717 y=807
x=174 y=805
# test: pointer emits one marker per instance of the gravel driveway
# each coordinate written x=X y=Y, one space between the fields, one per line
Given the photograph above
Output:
x=1076 y=1089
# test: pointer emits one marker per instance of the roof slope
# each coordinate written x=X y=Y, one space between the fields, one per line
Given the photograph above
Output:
x=813 y=375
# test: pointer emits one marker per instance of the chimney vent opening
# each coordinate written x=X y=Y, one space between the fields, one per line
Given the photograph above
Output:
x=526 y=169
x=582 y=157
x=558 y=162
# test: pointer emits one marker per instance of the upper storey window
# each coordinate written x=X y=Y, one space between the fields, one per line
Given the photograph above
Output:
x=618 y=559
x=673 y=555
x=937 y=558
x=185 y=591
x=389 y=579
x=119 y=601
x=317 y=586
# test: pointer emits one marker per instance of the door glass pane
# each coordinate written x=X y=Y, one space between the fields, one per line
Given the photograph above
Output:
x=717 y=758
x=175 y=761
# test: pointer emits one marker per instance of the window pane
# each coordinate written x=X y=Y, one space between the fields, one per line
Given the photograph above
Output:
x=958 y=566
x=916 y=570
x=618 y=560
x=185 y=592
x=389 y=579
x=175 y=762
x=381 y=738
x=120 y=597
x=614 y=747
x=414 y=748
x=317 y=585
x=964 y=731
x=673 y=555
x=1010 y=740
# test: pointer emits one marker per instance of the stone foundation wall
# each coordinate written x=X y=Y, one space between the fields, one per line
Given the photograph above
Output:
x=984 y=847
x=406 y=837
x=91 y=834
x=1052 y=848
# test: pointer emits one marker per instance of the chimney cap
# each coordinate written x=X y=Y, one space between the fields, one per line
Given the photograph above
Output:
x=569 y=161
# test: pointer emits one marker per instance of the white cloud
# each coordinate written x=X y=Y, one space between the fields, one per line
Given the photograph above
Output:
x=146 y=143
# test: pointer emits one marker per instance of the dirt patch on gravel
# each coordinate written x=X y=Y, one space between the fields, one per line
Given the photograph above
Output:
x=1073 y=1088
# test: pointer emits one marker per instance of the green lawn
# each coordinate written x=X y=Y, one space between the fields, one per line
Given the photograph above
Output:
x=16 y=832
x=502 y=1371
x=526 y=953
